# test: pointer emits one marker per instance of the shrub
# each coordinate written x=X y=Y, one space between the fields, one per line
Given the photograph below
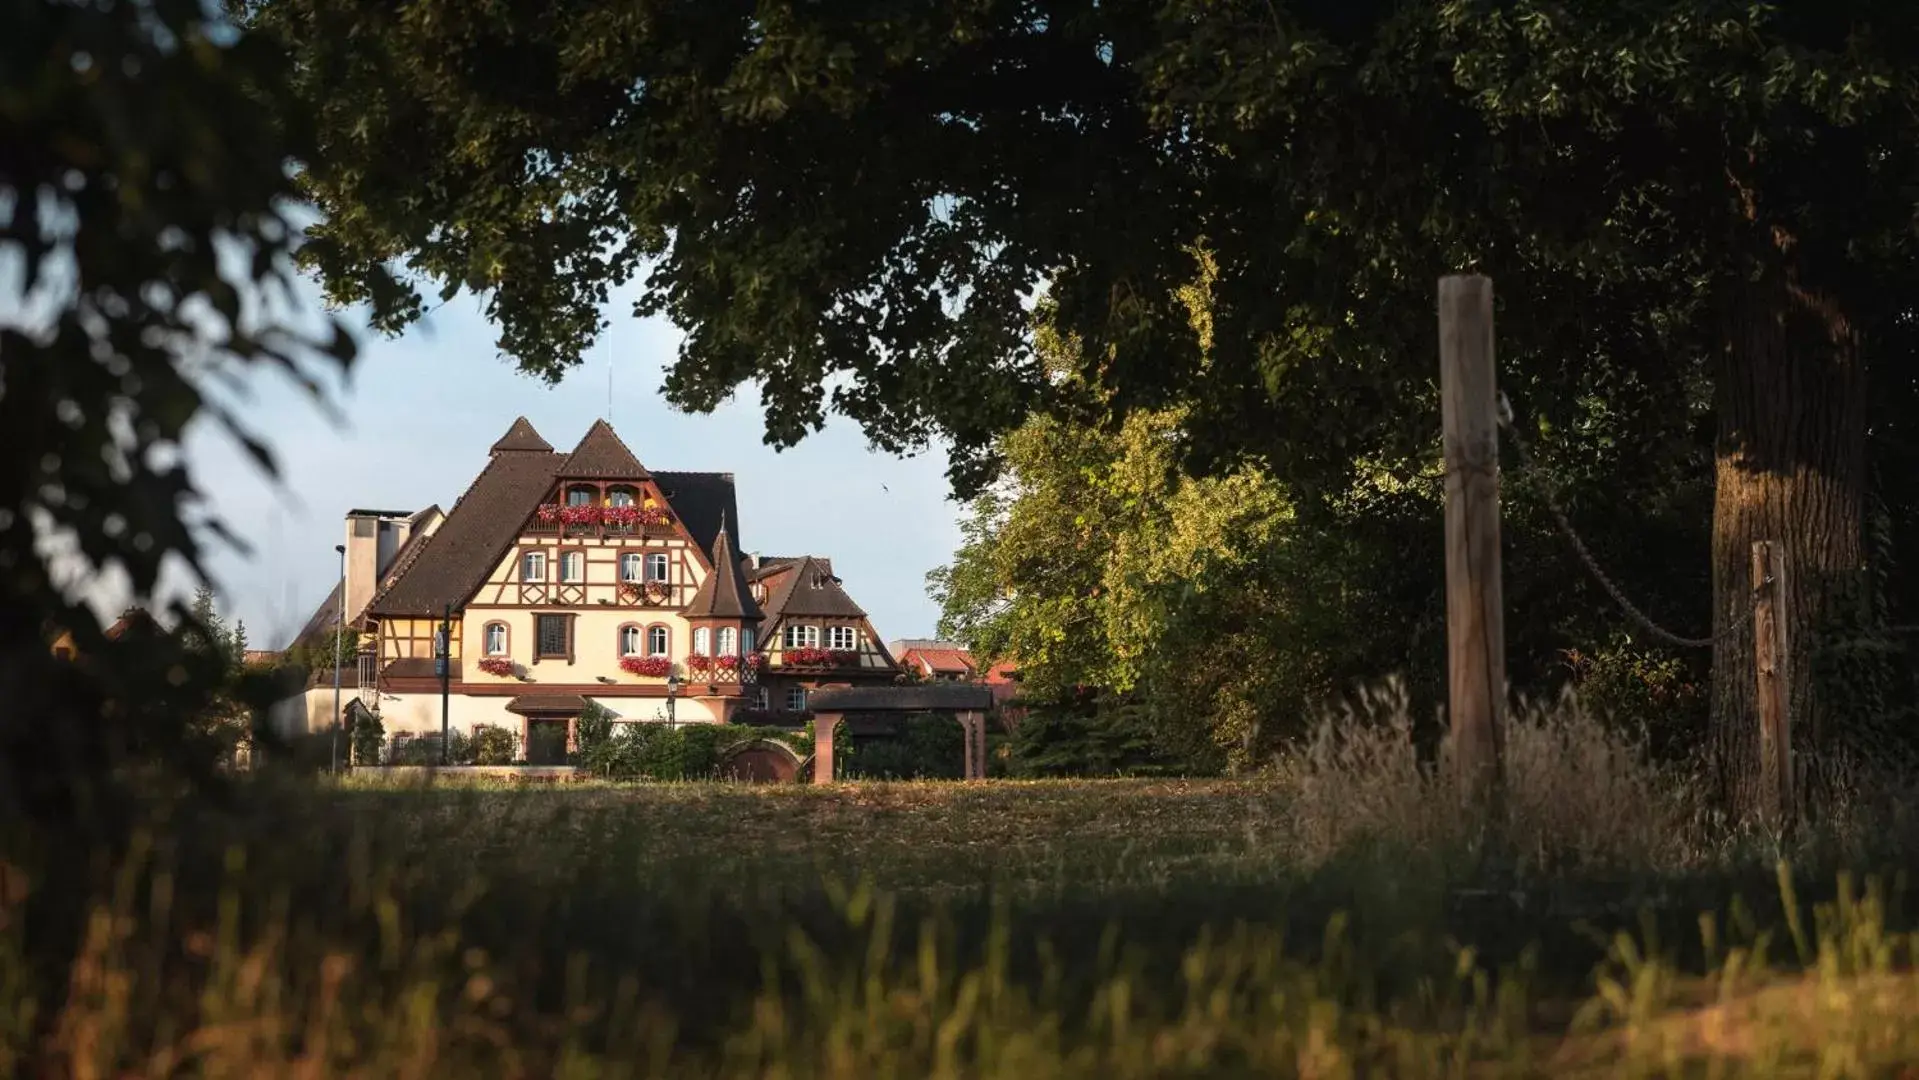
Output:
x=926 y=747
x=1104 y=736
x=494 y=745
x=1643 y=692
x=368 y=738
x=592 y=729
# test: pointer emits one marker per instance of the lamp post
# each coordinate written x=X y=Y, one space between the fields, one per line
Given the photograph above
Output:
x=672 y=698
x=339 y=642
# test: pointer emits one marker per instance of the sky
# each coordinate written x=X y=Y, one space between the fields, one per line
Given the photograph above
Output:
x=417 y=414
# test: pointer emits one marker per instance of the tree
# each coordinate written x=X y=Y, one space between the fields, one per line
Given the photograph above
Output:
x=145 y=189
x=864 y=196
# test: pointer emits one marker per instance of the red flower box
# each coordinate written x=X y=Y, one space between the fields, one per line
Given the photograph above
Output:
x=809 y=656
x=652 y=667
x=580 y=515
x=496 y=665
x=699 y=663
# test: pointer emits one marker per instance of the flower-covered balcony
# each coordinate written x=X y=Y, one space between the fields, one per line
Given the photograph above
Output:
x=552 y=519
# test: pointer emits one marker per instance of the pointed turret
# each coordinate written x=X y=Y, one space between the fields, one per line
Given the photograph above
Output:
x=724 y=594
x=602 y=456
x=521 y=437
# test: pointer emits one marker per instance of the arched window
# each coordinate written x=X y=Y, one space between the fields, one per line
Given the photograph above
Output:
x=496 y=639
x=700 y=640
x=658 y=641
x=573 y=566
x=802 y=637
x=629 y=567
x=629 y=640
x=729 y=641
x=581 y=495
x=842 y=638
x=620 y=496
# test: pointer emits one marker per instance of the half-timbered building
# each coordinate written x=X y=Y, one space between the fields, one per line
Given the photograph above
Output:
x=559 y=579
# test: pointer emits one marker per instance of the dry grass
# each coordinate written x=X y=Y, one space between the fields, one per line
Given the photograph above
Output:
x=1576 y=794
x=1336 y=917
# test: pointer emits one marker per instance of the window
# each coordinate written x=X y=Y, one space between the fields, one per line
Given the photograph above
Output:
x=658 y=641
x=573 y=566
x=747 y=638
x=580 y=496
x=729 y=641
x=765 y=698
x=796 y=699
x=629 y=641
x=620 y=496
x=700 y=639
x=842 y=638
x=802 y=637
x=656 y=567
x=495 y=639
x=551 y=631
x=629 y=568
x=533 y=566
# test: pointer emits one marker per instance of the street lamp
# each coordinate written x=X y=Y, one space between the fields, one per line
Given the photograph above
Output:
x=672 y=698
x=339 y=642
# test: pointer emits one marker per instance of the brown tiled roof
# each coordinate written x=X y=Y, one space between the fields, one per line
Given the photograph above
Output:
x=702 y=501
x=474 y=537
x=521 y=436
x=942 y=660
x=724 y=594
x=134 y=619
x=410 y=667
x=602 y=456
x=812 y=590
x=546 y=703
x=773 y=564
x=321 y=622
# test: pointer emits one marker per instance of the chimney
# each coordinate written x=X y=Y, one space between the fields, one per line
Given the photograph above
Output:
x=362 y=561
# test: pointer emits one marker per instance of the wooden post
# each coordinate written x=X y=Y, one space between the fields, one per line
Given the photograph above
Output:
x=1777 y=793
x=1475 y=614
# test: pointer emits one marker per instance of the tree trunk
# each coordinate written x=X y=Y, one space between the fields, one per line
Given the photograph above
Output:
x=1791 y=468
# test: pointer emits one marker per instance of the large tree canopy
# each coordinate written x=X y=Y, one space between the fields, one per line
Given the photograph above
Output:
x=1683 y=201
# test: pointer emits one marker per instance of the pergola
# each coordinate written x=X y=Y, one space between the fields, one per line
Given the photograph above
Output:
x=968 y=704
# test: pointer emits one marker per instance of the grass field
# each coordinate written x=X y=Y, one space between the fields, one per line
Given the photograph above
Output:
x=1300 y=924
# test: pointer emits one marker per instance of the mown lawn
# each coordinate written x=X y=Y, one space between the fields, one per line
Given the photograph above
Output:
x=1110 y=929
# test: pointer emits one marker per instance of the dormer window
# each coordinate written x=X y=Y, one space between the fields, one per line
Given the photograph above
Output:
x=620 y=496
x=580 y=495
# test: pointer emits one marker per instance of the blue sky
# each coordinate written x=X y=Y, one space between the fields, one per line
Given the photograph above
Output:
x=419 y=412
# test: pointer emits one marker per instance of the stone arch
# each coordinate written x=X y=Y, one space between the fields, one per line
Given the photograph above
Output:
x=762 y=761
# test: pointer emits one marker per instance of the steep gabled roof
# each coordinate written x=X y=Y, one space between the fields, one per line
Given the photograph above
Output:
x=724 y=594
x=702 y=500
x=773 y=564
x=602 y=456
x=522 y=437
x=476 y=534
x=811 y=589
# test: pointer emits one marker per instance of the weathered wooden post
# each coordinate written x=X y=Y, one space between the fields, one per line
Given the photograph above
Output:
x=1475 y=612
x=1778 y=795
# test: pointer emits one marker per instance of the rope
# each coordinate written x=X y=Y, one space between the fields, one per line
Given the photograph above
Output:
x=1585 y=554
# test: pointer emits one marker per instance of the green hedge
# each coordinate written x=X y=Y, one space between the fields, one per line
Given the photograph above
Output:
x=689 y=752
x=926 y=747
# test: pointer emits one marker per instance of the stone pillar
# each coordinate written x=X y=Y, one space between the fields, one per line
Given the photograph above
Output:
x=966 y=741
x=973 y=725
x=825 y=726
